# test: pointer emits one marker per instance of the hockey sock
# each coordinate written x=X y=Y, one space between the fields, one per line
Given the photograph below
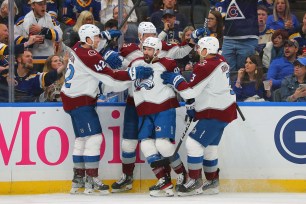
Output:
x=168 y=170
x=212 y=175
x=92 y=172
x=159 y=172
x=180 y=169
x=128 y=169
x=79 y=172
x=195 y=174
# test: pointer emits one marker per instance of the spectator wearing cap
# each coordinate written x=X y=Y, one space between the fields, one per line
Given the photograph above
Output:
x=170 y=32
x=282 y=67
x=26 y=7
x=180 y=19
x=39 y=22
x=293 y=87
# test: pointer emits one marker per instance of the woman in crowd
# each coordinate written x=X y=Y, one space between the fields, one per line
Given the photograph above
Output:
x=282 y=18
x=52 y=92
x=249 y=83
x=72 y=36
x=186 y=63
x=275 y=48
x=215 y=25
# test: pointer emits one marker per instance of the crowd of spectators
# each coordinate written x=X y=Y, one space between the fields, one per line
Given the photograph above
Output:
x=266 y=43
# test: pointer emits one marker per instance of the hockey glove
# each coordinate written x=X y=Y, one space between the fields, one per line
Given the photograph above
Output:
x=199 y=33
x=148 y=84
x=110 y=34
x=140 y=72
x=113 y=59
x=190 y=108
x=171 y=78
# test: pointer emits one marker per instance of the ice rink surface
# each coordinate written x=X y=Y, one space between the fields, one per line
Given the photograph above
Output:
x=132 y=198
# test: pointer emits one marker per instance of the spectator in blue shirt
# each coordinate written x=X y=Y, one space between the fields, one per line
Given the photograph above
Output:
x=282 y=67
x=282 y=17
x=180 y=18
x=294 y=87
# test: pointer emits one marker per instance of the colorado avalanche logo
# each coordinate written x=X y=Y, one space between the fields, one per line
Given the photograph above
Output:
x=92 y=53
x=234 y=12
x=148 y=84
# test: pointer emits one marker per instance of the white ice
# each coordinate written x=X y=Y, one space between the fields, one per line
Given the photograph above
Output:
x=131 y=198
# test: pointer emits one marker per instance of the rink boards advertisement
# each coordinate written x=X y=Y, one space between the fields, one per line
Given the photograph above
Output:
x=264 y=153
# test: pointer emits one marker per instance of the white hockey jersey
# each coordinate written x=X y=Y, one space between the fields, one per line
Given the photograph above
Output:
x=209 y=86
x=151 y=95
x=132 y=51
x=85 y=69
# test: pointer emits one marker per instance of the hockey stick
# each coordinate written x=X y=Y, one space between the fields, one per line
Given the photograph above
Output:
x=129 y=14
x=240 y=112
x=166 y=160
x=122 y=24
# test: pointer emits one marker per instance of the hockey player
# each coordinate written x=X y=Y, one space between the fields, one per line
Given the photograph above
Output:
x=130 y=133
x=214 y=106
x=79 y=95
x=155 y=104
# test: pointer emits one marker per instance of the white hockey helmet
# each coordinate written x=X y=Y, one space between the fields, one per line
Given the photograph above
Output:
x=88 y=31
x=153 y=42
x=146 y=27
x=211 y=44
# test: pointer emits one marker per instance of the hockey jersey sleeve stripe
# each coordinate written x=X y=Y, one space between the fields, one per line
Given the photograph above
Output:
x=2 y=49
x=54 y=35
x=42 y=80
x=20 y=21
x=19 y=40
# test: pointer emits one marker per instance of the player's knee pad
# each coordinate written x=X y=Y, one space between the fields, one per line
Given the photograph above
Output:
x=194 y=148
x=211 y=152
x=165 y=147
x=93 y=144
x=79 y=146
x=129 y=145
x=148 y=147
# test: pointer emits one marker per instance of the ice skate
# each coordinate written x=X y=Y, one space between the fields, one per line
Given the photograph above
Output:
x=93 y=186
x=192 y=187
x=211 y=187
x=77 y=183
x=163 y=188
x=123 y=184
x=180 y=180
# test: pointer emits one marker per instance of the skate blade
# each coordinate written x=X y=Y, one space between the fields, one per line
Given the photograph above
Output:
x=125 y=188
x=76 y=191
x=191 y=193
x=95 y=192
x=211 y=191
x=162 y=193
